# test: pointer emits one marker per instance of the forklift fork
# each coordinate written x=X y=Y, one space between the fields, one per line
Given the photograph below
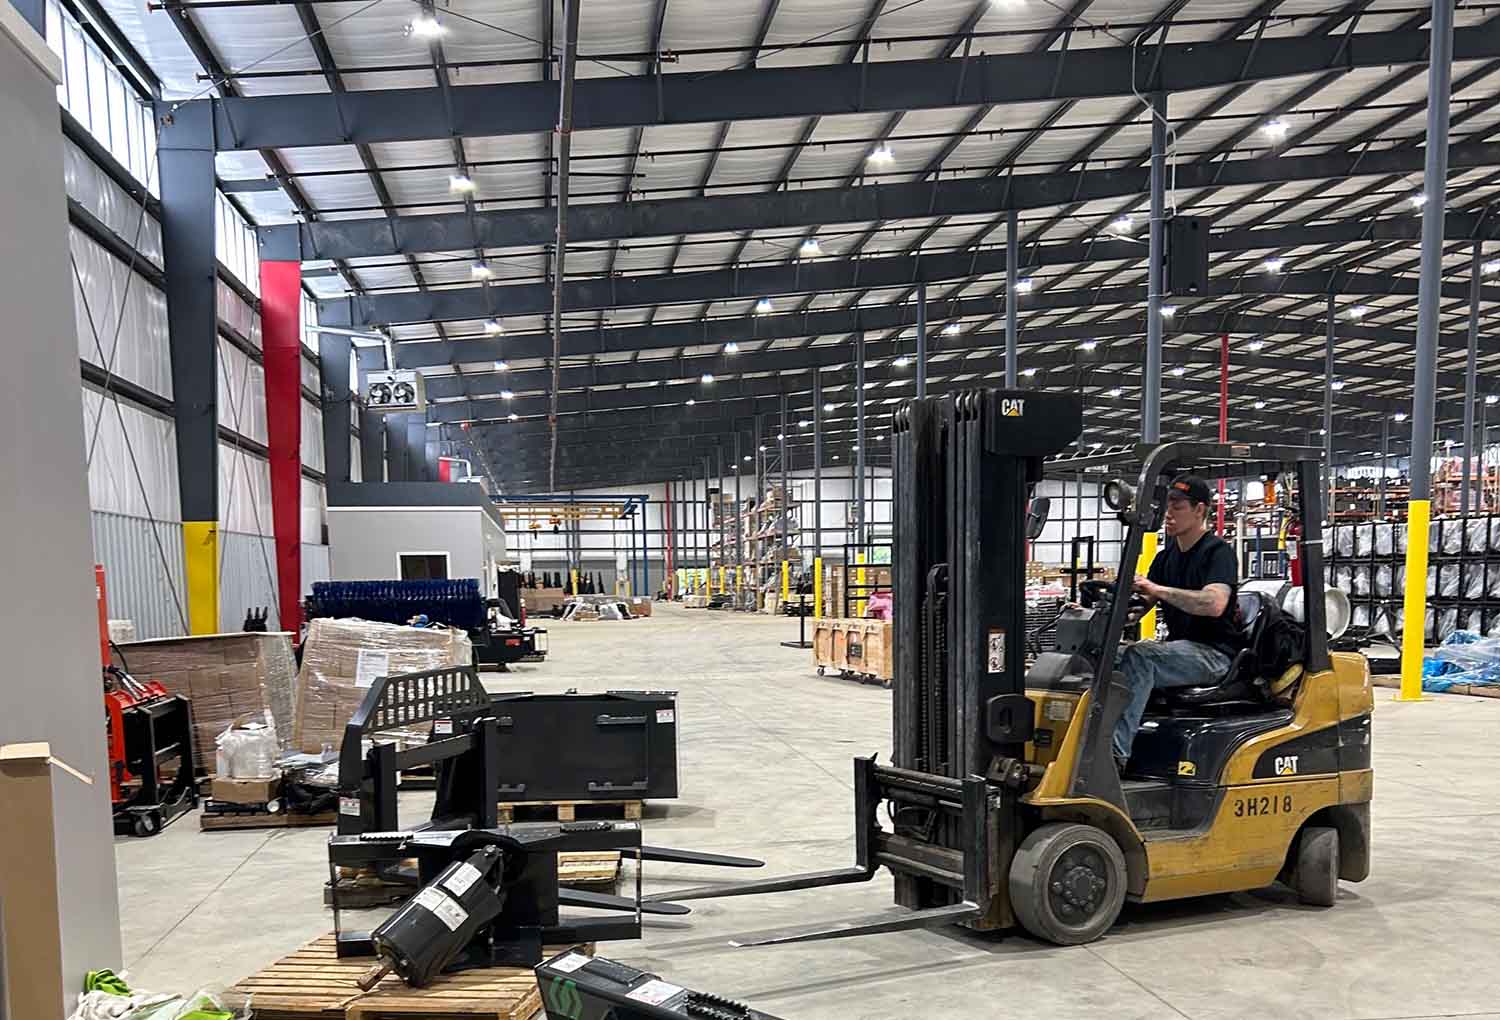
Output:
x=965 y=871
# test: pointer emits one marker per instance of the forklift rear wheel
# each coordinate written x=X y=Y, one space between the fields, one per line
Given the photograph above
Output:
x=1067 y=883
x=1317 y=875
x=145 y=824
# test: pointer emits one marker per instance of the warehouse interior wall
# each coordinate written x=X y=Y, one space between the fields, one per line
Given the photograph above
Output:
x=120 y=322
x=52 y=663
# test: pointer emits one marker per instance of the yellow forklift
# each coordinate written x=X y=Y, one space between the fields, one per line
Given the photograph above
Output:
x=1004 y=806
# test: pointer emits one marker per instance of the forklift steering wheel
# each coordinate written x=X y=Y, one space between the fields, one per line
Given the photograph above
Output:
x=1097 y=594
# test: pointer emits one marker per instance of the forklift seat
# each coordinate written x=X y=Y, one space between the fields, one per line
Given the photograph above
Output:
x=1242 y=684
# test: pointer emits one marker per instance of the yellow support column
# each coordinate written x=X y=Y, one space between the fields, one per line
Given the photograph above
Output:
x=1414 y=614
x=1143 y=566
x=200 y=545
x=818 y=588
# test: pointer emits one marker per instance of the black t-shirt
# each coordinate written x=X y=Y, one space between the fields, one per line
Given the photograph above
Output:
x=1209 y=561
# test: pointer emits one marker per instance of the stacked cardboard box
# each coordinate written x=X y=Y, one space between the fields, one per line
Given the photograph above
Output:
x=226 y=676
x=542 y=601
x=341 y=659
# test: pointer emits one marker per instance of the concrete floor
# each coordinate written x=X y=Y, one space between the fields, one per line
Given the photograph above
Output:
x=765 y=755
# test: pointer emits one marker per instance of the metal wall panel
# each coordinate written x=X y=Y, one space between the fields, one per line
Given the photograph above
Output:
x=242 y=392
x=244 y=491
x=147 y=442
x=128 y=315
x=97 y=192
x=144 y=581
x=247 y=577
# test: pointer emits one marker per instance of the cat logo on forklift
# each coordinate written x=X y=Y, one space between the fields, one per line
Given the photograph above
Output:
x=1012 y=407
x=1286 y=766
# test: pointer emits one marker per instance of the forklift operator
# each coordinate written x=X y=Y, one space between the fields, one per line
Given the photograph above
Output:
x=1194 y=578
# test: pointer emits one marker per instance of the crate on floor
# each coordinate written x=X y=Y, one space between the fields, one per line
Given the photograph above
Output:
x=314 y=984
x=569 y=810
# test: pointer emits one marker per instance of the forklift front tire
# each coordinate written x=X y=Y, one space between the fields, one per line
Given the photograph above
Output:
x=1317 y=875
x=1067 y=883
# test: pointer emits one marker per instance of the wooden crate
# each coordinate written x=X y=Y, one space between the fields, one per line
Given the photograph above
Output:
x=314 y=984
x=567 y=810
x=861 y=647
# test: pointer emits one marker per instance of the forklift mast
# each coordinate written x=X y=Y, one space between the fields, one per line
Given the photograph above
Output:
x=965 y=469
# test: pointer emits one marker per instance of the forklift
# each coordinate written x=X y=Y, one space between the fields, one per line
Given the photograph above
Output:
x=1005 y=805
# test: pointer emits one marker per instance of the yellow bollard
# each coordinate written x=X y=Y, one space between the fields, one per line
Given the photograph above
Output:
x=859 y=584
x=1414 y=615
x=786 y=581
x=721 y=580
x=1142 y=566
x=817 y=588
x=574 y=575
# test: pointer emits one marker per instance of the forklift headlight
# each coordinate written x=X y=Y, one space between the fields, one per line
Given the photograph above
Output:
x=1119 y=494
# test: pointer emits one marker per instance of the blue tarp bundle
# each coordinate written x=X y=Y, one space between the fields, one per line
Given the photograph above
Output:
x=1464 y=658
x=456 y=603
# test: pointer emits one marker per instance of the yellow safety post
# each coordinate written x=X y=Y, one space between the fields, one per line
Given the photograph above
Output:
x=200 y=543
x=786 y=581
x=817 y=588
x=859 y=583
x=574 y=575
x=721 y=580
x=1414 y=616
x=1143 y=566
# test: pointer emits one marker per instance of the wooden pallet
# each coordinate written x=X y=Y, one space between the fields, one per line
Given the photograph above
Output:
x=314 y=984
x=1472 y=690
x=598 y=870
x=567 y=810
x=281 y=820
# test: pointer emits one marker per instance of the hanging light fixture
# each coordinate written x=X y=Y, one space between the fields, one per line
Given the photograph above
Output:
x=952 y=329
x=481 y=271
x=493 y=327
x=732 y=347
x=882 y=155
x=810 y=248
x=461 y=184
x=764 y=306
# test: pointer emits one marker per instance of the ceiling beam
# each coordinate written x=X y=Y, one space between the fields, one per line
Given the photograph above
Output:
x=604 y=221
x=367 y=311
x=390 y=115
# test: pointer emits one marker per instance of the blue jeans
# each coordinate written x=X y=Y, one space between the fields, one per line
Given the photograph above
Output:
x=1147 y=665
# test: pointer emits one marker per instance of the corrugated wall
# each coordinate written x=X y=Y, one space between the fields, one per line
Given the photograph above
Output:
x=247 y=575
x=144 y=579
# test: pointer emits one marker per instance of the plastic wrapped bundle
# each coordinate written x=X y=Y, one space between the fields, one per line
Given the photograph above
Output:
x=1494 y=534
x=1494 y=628
x=1432 y=580
x=1464 y=658
x=1447 y=623
x=1385 y=543
x=1492 y=585
x=1383 y=577
x=1361 y=580
x=1344 y=580
x=1473 y=580
x=1451 y=530
x=1434 y=536
x=1448 y=580
x=1382 y=622
x=1361 y=614
x=1364 y=539
x=1401 y=579
x=1477 y=534
x=1429 y=619
x=341 y=659
x=1474 y=620
x=1401 y=534
x=1343 y=540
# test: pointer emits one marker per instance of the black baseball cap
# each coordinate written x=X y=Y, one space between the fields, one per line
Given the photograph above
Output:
x=1190 y=487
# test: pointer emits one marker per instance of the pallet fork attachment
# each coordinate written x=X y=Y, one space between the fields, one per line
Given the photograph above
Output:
x=965 y=871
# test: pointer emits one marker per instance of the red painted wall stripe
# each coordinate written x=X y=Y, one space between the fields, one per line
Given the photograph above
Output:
x=281 y=345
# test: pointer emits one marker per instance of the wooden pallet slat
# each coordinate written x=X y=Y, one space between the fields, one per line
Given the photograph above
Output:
x=312 y=983
x=567 y=810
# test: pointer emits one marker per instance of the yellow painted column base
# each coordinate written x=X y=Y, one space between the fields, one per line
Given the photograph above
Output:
x=1414 y=606
x=1143 y=566
x=818 y=588
x=200 y=549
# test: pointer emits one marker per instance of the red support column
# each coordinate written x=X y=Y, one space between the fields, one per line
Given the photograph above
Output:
x=281 y=345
